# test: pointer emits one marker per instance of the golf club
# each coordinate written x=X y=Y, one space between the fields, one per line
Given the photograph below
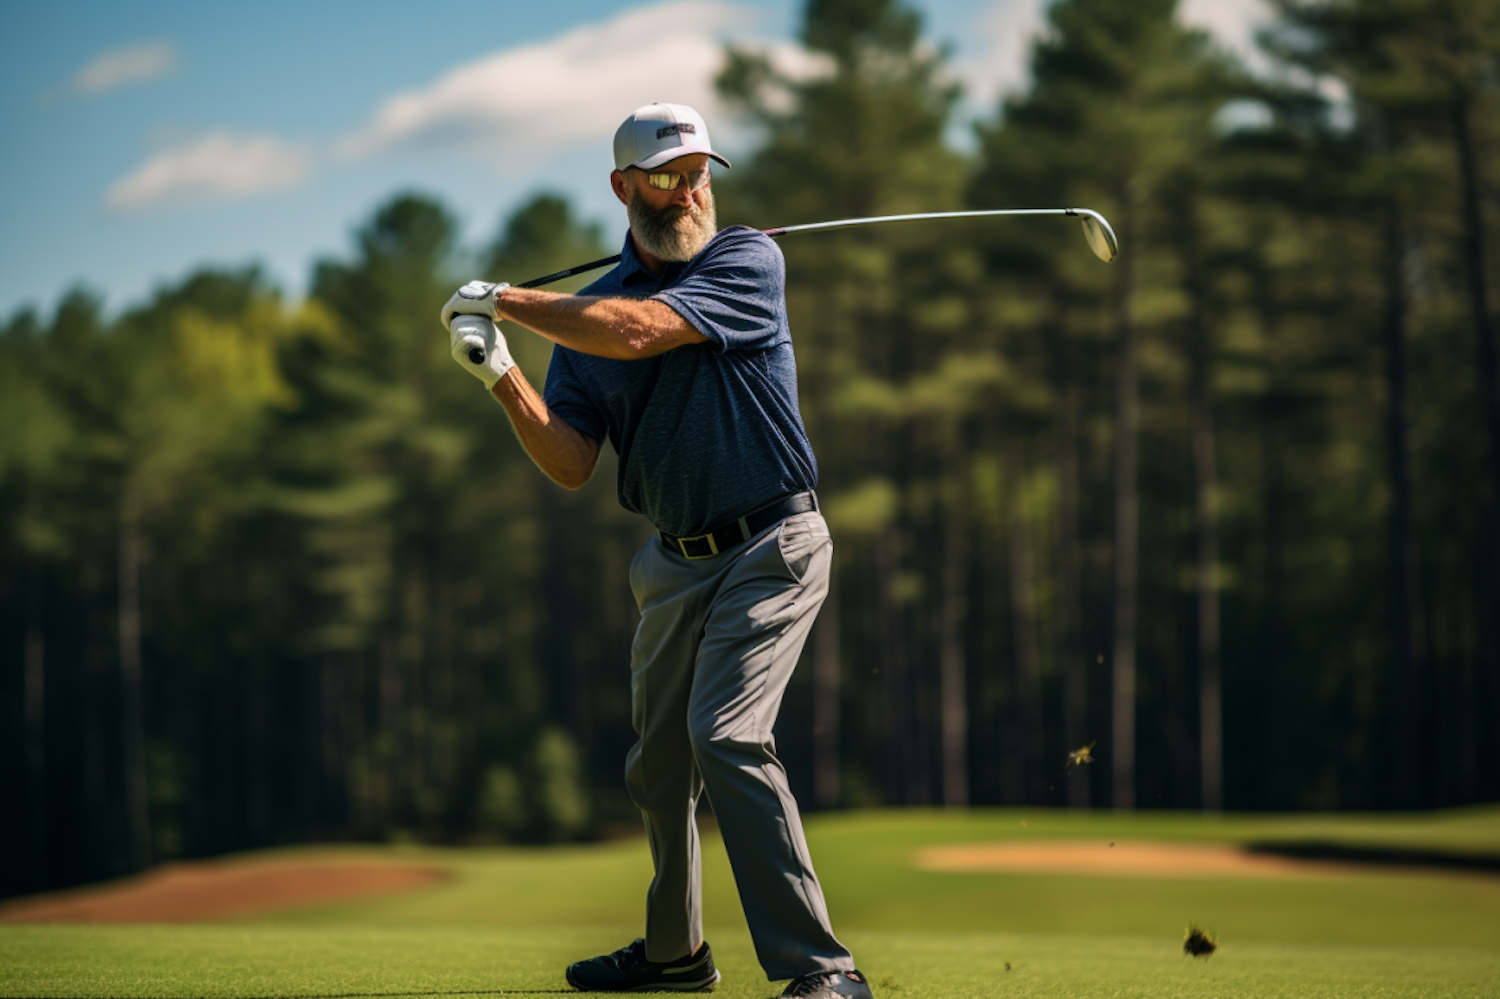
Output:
x=1096 y=230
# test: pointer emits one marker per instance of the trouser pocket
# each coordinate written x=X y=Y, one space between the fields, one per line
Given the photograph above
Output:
x=799 y=538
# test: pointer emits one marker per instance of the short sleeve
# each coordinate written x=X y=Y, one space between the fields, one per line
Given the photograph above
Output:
x=733 y=292
x=565 y=396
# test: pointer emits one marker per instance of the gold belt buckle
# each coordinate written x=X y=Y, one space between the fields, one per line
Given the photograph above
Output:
x=713 y=547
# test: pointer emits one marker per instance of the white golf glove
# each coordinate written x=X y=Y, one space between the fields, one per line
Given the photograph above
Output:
x=480 y=348
x=477 y=298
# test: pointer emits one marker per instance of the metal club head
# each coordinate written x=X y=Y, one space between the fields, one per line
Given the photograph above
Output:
x=1100 y=236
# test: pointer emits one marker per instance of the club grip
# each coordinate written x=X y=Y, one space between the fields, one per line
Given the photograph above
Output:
x=480 y=326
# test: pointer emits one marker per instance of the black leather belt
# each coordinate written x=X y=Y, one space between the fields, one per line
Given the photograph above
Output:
x=736 y=532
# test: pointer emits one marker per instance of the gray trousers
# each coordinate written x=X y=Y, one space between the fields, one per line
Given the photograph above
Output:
x=717 y=643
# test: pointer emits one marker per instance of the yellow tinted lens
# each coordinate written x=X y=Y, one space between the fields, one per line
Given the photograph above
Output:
x=697 y=180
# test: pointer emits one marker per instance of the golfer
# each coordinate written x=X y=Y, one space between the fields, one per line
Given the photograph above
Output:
x=682 y=358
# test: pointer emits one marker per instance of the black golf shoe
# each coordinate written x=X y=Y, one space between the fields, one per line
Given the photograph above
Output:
x=627 y=970
x=830 y=985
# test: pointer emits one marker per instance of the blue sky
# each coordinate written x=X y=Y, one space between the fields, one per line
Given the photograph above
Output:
x=145 y=139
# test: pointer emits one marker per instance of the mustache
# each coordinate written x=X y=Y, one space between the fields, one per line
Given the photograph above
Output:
x=674 y=232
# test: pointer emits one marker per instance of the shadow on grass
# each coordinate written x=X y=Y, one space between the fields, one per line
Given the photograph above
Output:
x=445 y=992
x=1381 y=856
x=385 y=995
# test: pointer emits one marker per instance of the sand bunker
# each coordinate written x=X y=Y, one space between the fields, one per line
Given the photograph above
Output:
x=1121 y=859
x=207 y=890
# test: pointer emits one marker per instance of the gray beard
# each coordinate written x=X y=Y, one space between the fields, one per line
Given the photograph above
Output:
x=672 y=233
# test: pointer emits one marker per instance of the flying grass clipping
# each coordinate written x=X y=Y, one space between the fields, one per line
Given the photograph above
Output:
x=1081 y=755
x=1198 y=942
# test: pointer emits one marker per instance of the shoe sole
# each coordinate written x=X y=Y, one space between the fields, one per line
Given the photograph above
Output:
x=698 y=986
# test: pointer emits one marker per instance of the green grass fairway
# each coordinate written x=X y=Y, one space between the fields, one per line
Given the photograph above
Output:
x=508 y=921
x=280 y=961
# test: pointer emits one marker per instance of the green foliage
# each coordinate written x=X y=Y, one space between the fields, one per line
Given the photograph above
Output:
x=562 y=800
x=546 y=800
x=363 y=613
x=542 y=234
x=338 y=542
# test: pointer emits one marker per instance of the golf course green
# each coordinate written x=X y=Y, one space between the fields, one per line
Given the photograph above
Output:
x=507 y=920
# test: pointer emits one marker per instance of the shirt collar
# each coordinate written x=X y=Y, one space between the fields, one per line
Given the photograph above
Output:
x=633 y=270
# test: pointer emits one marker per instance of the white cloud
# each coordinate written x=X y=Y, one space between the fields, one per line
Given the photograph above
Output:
x=1232 y=23
x=123 y=67
x=215 y=167
x=1003 y=33
x=798 y=64
x=520 y=105
x=516 y=107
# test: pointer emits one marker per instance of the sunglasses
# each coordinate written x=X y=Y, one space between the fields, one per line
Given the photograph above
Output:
x=697 y=180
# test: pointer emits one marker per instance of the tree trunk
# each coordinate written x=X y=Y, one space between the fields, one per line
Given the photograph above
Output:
x=254 y=737
x=1410 y=686
x=132 y=706
x=1472 y=209
x=1127 y=539
x=1205 y=515
x=952 y=667
x=389 y=742
x=826 y=662
x=331 y=805
x=1210 y=708
x=1273 y=735
x=1487 y=583
x=1070 y=639
x=896 y=735
x=1270 y=789
x=1028 y=715
x=559 y=514
x=35 y=708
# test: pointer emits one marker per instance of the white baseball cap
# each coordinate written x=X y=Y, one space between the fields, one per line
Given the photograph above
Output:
x=656 y=133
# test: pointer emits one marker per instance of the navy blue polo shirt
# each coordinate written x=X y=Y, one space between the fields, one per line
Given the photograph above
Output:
x=709 y=431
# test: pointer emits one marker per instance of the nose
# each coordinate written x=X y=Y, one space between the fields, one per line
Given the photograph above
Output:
x=682 y=194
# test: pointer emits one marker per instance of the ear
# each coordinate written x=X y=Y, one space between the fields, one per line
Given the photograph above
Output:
x=617 y=183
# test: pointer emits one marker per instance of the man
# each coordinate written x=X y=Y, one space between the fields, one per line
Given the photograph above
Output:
x=682 y=357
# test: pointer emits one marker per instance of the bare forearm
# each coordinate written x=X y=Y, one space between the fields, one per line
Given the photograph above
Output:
x=565 y=455
x=621 y=328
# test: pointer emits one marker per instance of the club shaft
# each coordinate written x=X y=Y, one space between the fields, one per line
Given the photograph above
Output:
x=592 y=265
x=924 y=216
x=836 y=224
